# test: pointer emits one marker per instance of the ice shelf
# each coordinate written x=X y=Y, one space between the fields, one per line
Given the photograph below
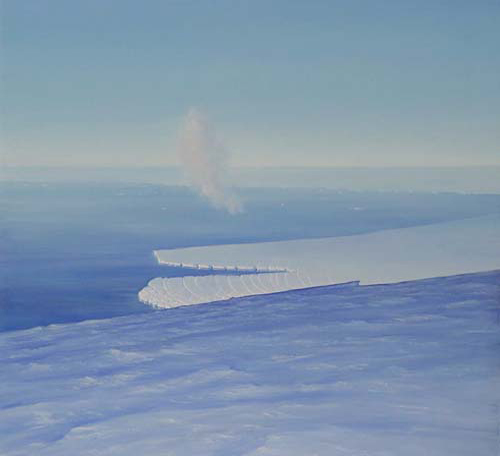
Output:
x=390 y=256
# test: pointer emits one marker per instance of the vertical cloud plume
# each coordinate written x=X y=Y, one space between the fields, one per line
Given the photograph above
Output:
x=205 y=160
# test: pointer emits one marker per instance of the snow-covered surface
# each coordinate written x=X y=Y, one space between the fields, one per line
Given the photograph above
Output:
x=389 y=256
x=402 y=369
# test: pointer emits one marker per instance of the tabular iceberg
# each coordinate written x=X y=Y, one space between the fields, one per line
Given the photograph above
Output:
x=390 y=256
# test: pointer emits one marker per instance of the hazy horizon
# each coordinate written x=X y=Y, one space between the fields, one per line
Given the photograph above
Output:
x=472 y=179
x=324 y=83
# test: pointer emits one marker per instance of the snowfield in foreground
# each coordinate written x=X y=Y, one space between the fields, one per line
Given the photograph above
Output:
x=389 y=256
x=402 y=369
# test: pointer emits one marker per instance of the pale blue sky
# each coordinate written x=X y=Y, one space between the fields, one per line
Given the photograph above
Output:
x=360 y=83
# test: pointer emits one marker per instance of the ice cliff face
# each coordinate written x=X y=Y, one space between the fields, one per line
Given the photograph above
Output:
x=402 y=369
x=389 y=256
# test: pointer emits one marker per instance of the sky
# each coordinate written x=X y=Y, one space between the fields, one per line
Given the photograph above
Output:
x=285 y=82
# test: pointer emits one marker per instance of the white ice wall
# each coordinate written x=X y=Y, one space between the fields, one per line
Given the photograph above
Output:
x=390 y=256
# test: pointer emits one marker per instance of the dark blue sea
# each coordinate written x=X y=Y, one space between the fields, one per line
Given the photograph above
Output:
x=72 y=252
